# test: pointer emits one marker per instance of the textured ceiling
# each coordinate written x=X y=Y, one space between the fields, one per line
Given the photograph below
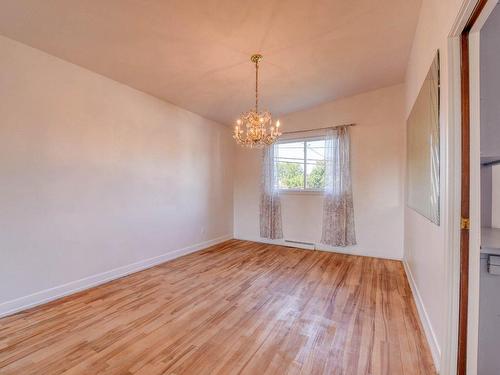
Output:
x=195 y=53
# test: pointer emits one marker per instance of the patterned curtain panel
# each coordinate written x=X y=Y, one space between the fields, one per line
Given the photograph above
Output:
x=338 y=211
x=270 y=204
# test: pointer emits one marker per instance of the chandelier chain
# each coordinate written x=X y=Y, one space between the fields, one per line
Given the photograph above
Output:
x=257 y=86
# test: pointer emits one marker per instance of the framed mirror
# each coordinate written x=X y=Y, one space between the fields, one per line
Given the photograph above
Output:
x=423 y=149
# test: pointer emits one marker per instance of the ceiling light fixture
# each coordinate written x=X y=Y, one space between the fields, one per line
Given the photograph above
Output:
x=254 y=128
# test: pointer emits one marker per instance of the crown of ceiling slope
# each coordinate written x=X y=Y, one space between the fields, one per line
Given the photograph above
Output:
x=189 y=52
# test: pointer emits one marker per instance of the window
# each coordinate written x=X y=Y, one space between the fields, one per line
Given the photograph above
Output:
x=301 y=164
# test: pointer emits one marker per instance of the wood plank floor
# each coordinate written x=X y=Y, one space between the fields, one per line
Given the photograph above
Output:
x=235 y=308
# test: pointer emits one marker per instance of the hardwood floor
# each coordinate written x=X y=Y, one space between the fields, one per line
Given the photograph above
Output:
x=235 y=308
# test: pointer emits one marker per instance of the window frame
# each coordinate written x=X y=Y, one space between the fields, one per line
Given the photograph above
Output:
x=305 y=190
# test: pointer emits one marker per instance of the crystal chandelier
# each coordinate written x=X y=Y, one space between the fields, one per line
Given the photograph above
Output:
x=254 y=128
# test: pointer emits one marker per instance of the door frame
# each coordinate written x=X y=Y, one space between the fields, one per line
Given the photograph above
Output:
x=465 y=187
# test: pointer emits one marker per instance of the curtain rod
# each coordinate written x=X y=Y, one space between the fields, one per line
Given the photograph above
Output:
x=312 y=130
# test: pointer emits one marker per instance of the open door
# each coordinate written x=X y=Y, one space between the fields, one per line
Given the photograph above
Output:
x=465 y=189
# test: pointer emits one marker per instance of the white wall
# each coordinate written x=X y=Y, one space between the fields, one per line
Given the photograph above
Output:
x=378 y=154
x=96 y=176
x=487 y=195
x=490 y=83
x=495 y=196
x=490 y=117
x=425 y=243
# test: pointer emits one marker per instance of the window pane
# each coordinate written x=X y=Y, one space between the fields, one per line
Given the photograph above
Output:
x=315 y=178
x=315 y=165
x=316 y=150
x=293 y=151
x=291 y=175
x=290 y=158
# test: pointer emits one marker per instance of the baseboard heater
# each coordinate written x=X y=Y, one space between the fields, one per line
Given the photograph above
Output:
x=301 y=244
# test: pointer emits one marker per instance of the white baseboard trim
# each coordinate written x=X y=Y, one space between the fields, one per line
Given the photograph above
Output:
x=424 y=318
x=350 y=251
x=279 y=242
x=47 y=295
x=317 y=246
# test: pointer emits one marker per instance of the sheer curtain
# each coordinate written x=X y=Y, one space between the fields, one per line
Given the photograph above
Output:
x=270 y=204
x=338 y=210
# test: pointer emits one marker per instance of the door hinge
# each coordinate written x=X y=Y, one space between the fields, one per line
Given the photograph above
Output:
x=465 y=223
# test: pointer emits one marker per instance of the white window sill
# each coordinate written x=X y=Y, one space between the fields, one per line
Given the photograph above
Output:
x=301 y=192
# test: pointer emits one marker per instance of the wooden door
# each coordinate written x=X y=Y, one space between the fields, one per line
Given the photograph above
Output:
x=465 y=190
